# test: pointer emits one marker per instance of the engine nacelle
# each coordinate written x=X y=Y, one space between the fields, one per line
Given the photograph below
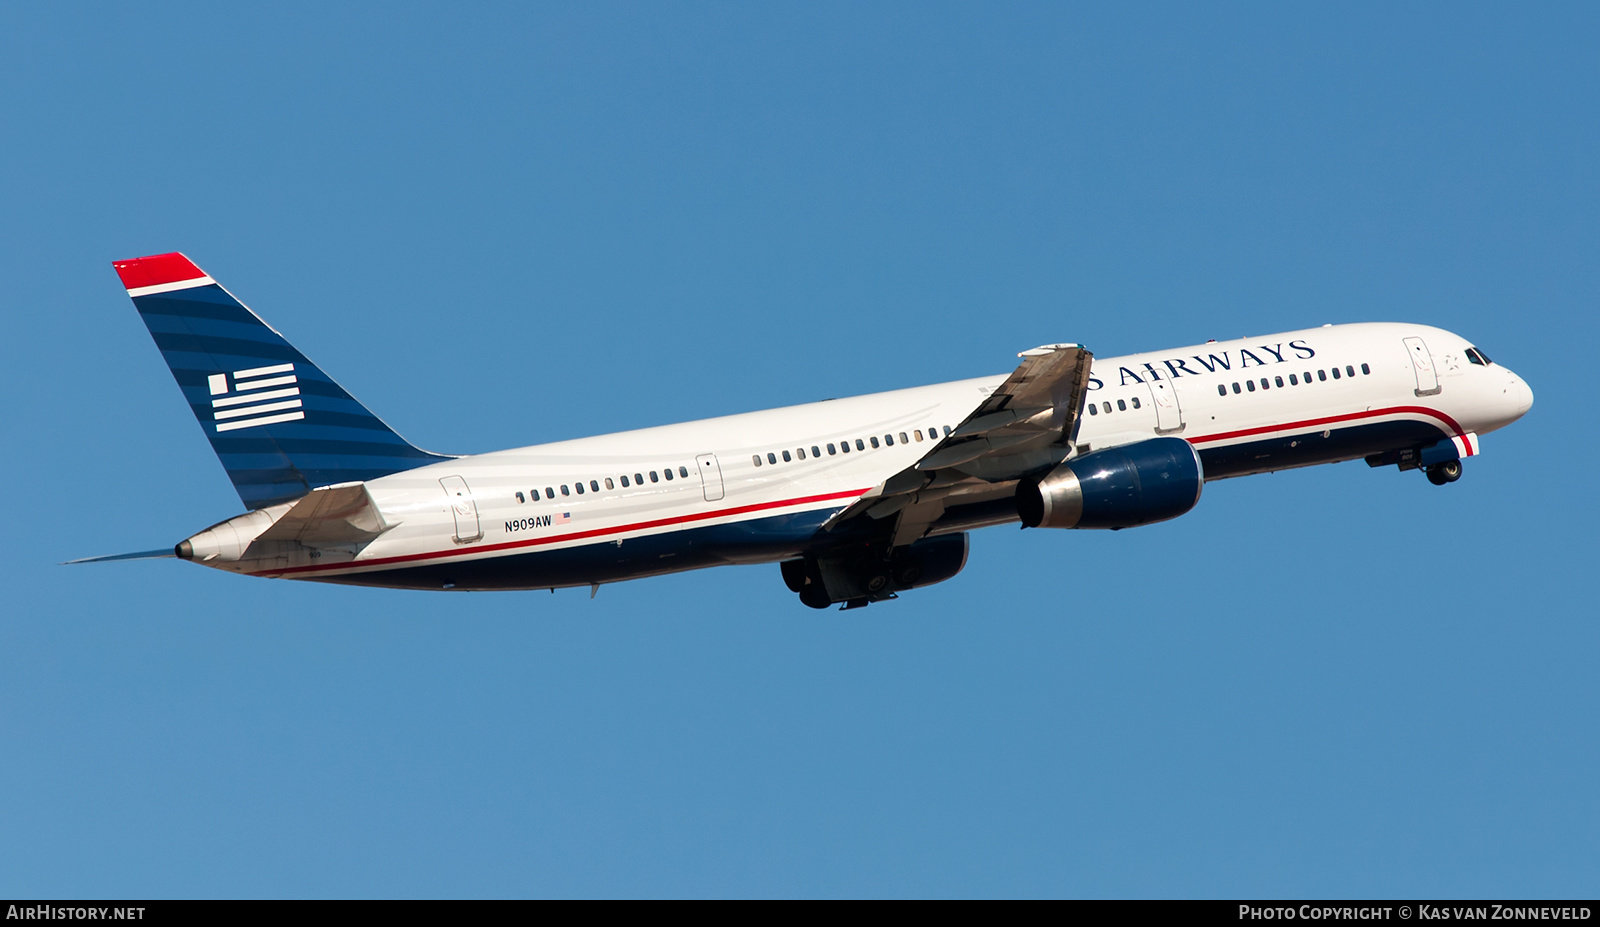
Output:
x=1119 y=487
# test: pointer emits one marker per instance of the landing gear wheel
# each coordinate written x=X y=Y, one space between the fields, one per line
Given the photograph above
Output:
x=814 y=596
x=1442 y=473
x=794 y=574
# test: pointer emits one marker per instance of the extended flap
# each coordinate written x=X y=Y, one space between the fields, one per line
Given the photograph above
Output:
x=1026 y=424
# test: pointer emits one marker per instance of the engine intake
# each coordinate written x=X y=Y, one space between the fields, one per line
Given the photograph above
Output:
x=1120 y=487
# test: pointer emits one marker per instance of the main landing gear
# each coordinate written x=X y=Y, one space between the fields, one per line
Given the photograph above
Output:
x=856 y=576
x=805 y=577
x=1441 y=473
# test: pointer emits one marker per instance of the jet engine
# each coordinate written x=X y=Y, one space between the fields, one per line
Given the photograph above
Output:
x=1119 y=487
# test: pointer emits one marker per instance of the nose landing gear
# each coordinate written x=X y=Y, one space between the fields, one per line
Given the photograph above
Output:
x=1446 y=472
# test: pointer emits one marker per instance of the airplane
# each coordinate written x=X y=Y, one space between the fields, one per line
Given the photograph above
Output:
x=857 y=499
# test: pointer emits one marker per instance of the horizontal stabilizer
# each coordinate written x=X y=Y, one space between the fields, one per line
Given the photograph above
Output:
x=137 y=555
x=341 y=514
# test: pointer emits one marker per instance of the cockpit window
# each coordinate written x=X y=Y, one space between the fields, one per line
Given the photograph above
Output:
x=1478 y=357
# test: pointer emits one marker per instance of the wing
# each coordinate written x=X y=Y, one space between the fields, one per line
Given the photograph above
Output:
x=1027 y=424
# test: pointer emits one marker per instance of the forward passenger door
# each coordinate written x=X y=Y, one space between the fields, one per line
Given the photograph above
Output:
x=1422 y=366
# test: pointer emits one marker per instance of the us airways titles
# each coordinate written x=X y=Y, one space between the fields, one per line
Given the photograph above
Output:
x=1225 y=360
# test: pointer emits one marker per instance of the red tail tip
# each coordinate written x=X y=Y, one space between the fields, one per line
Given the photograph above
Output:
x=156 y=270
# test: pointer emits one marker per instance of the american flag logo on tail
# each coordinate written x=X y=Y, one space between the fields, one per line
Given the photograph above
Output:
x=258 y=396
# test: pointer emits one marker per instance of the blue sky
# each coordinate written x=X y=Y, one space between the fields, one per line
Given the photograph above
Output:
x=505 y=224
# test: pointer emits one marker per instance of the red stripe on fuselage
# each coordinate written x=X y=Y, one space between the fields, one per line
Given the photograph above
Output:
x=1332 y=419
x=575 y=536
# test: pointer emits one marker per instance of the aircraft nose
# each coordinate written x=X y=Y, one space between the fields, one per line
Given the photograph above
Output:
x=1520 y=395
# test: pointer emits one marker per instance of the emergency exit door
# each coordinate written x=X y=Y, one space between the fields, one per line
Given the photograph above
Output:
x=710 y=476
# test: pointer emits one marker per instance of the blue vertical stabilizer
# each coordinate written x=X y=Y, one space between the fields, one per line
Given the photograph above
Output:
x=280 y=426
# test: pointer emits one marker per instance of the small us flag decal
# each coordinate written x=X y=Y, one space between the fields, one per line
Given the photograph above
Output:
x=258 y=396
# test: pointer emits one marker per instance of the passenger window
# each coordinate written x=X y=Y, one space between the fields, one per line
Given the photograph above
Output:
x=1122 y=406
x=1336 y=373
x=1349 y=371
x=860 y=446
x=520 y=498
x=755 y=459
x=564 y=491
x=683 y=472
x=1321 y=375
x=549 y=492
x=786 y=457
x=1250 y=385
x=594 y=485
x=874 y=440
x=1236 y=389
x=845 y=446
x=578 y=487
x=1136 y=402
x=1265 y=384
x=800 y=452
x=1278 y=382
x=917 y=432
x=609 y=484
x=624 y=481
x=816 y=451
x=1222 y=390
x=889 y=440
x=667 y=473
x=1306 y=377
x=771 y=459
x=903 y=438
x=639 y=478
x=1365 y=370
x=1094 y=409
x=1106 y=406
x=947 y=431
x=830 y=449
x=1293 y=381
x=653 y=477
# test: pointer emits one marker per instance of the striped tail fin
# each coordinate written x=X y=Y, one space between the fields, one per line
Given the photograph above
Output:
x=280 y=426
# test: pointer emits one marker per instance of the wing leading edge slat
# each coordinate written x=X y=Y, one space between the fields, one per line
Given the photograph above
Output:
x=1027 y=424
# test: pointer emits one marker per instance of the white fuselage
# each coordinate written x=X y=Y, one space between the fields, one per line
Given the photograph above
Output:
x=739 y=483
